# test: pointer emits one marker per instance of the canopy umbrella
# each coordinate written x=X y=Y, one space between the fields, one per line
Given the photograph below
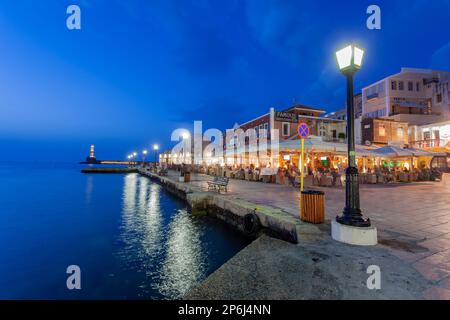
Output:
x=313 y=143
x=362 y=151
x=424 y=153
x=392 y=152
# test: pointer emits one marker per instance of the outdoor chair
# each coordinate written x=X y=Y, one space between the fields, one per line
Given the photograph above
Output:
x=372 y=179
x=403 y=177
x=218 y=183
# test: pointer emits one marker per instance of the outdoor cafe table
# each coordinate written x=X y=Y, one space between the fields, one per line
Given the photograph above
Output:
x=267 y=173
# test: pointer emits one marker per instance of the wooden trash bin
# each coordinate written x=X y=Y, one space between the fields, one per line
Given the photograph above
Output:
x=312 y=206
x=187 y=177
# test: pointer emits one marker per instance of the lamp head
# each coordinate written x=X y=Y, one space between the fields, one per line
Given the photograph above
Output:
x=349 y=59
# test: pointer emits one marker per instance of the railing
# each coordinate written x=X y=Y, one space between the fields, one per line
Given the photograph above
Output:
x=430 y=143
x=372 y=96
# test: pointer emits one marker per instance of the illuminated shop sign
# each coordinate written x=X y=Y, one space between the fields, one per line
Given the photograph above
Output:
x=285 y=116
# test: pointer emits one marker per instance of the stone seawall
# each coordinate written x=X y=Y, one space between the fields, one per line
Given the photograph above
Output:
x=109 y=170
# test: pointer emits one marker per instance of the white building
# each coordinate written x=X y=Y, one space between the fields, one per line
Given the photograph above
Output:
x=435 y=135
x=416 y=96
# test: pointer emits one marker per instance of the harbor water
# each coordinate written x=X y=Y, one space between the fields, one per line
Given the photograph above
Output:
x=129 y=237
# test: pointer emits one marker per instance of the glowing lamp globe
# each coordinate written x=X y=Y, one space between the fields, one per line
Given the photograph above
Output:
x=350 y=59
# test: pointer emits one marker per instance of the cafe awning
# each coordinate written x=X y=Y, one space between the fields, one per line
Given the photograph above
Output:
x=313 y=143
x=424 y=153
x=393 y=152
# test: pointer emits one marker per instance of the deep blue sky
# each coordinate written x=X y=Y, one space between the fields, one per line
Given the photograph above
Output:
x=139 y=69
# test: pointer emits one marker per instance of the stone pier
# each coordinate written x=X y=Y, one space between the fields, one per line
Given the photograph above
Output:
x=309 y=265
x=272 y=221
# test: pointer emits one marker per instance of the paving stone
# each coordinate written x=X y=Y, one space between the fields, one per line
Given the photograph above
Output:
x=418 y=214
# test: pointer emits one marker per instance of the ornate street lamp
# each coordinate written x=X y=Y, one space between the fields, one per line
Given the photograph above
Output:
x=187 y=145
x=144 y=154
x=349 y=60
x=156 y=148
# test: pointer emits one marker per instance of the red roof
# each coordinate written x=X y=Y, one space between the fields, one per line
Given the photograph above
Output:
x=301 y=106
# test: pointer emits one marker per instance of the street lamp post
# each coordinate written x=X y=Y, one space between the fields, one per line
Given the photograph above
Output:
x=144 y=154
x=134 y=157
x=349 y=61
x=130 y=159
x=156 y=148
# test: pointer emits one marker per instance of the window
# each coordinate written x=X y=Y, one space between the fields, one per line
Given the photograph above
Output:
x=322 y=131
x=400 y=132
x=400 y=85
x=257 y=131
x=286 y=128
x=266 y=127
x=261 y=132
x=394 y=85
x=439 y=98
x=382 y=131
x=417 y=86
x=410 y=86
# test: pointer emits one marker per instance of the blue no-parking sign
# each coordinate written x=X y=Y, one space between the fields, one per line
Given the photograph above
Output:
x=303 y=130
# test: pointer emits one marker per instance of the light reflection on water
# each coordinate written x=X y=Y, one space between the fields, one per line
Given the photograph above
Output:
x=130 y=237
x=184 y=265
x=166 y=246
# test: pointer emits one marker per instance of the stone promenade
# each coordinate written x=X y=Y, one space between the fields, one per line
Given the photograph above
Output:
x=413 y=220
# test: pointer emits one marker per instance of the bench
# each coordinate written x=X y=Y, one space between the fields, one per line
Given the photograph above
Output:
x=218 y=183
x=162 y=172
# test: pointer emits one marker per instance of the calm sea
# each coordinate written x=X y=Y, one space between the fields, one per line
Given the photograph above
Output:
x=130 y=238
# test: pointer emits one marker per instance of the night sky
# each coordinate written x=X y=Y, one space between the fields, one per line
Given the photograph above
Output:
x=139 y=69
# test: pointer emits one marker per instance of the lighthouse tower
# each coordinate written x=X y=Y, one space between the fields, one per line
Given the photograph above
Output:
x=91 y=153
x=91 y=158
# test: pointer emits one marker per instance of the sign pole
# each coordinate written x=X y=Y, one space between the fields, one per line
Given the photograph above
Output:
x=302 y=164
x=303 y=133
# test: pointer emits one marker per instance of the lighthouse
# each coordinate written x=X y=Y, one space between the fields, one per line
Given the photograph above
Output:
x=91 y=158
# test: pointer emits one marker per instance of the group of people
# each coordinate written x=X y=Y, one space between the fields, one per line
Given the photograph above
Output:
x=290 y=172
x=337 y=175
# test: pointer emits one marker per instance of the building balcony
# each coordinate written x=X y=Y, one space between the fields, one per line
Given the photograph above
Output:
x=430 y=143
x=372 y=96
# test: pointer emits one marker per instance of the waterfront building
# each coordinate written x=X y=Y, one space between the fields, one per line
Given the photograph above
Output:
x=434 y=136
x=416 y=96
x=380 y=131
x=205 y=156
x=341 y=114
x=327 y=136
